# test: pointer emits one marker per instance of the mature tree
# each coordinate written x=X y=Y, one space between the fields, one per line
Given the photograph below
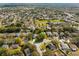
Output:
x=1 y=42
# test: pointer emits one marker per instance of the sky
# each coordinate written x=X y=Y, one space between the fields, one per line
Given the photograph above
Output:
x=39 y=1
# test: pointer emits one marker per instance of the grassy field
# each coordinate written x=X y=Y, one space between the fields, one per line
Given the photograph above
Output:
x=40 y=23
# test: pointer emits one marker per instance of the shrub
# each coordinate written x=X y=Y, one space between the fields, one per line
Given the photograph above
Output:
x=16 y=52
x=2 y=51
x=35 y=53
x=18 y=40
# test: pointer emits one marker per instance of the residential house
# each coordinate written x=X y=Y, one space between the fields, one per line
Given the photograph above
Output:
x=64 y=46
x=27 y=52
x=49 y=33
x=14 y=46
x=5 y=46
x=73 y=47
x=51 y=46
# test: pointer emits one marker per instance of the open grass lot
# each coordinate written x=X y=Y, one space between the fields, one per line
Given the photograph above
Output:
x=44 y=22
